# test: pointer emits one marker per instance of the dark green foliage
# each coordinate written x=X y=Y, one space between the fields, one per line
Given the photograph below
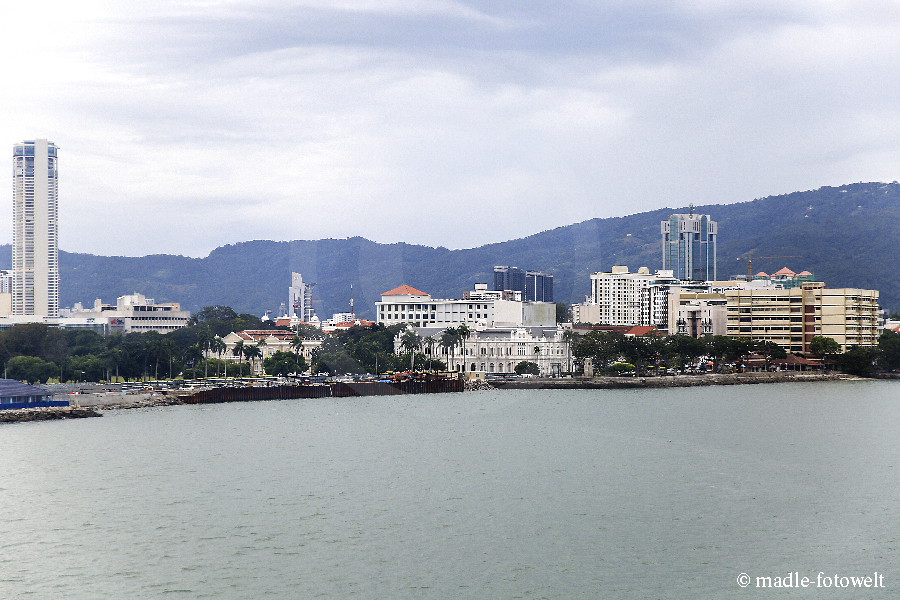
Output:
x=332 y=357
x=562 y=313
x=846 y=236
x=526 y=367
x=30 y=369
x=33 y=339
x=222 y=320
x=602 y=347
x=889 y=350
x=858 y=361
x=284 y=363
x=821 y=346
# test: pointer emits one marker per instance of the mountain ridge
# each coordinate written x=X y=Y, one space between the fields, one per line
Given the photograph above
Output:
x=846 y=236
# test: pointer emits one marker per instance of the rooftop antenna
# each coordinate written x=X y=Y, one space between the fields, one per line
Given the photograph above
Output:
x=351 y=300
x=691 y=206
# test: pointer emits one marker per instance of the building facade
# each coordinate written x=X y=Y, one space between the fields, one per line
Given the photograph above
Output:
x=689 y=247
x=792 y=317
x=483 y=308
x=35 y=247
x=497 y=350
x=131 y=313
x=535 y=286
x=269 y=342
x=623 y=298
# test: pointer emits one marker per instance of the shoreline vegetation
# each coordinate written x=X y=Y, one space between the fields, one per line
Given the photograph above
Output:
x=93 y=405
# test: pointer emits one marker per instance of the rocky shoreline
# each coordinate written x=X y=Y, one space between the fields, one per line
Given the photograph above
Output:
x=52 y=413
x=665 y=381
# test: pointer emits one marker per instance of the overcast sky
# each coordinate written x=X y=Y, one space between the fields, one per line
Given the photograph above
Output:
x=187 y=125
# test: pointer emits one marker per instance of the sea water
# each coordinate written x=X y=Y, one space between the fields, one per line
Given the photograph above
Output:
x=719 y=492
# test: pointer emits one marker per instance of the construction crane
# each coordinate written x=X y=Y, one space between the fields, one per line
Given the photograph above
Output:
x=749 y=260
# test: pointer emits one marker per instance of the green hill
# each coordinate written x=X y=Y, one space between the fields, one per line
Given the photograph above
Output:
x=846 y=236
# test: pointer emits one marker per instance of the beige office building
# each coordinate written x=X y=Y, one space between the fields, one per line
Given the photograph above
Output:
x=792 y=317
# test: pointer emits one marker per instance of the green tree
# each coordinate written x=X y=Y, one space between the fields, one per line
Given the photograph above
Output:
x=86 y=367
x=218 y=347
x=769 y=350
x=283 y=364
x=251 y=353
x=738 y=348
x=602 y=347
x=889 y=350
x=411 y=341
x=449 y=340
x=526 y=367
x=332 y=357
x=717 y=347
x=238 y=351
x=192 y=355
x=31 y=369
x=821 y=346
x=686 y=349
x=858 y=360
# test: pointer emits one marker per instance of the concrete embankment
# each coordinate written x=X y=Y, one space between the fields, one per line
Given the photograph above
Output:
x=117 y=400
x=666 y=381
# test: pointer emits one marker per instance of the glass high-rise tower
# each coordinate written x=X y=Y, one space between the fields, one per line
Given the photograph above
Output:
x=35 y=249
x=689 y=247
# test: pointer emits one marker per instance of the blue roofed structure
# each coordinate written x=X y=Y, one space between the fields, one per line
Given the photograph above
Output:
x=15 y=394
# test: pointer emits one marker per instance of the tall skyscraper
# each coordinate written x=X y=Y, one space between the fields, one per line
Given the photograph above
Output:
x=538 y=286
x=689 y=247
x=509 y=278
x=35 y=248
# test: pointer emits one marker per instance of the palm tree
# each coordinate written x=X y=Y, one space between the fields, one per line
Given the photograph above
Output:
x=217 y=345
x=569 y=336
x=252 y=352
x=412 y=341
x=191 y=355
x=428 y=343
x=204 y=343
x=449 y=340
x=463 y=332
x=238 y=350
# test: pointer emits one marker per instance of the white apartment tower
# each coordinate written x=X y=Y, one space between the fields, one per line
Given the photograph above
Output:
x=35 y=247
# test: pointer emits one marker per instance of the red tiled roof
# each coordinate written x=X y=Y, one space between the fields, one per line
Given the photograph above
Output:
x=762 y=274
x=349 y=324
x=785 y=271
x=804 y=273
x=640 y=330
x=404 y=290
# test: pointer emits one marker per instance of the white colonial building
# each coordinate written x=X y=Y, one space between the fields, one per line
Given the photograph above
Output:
x=498 y=349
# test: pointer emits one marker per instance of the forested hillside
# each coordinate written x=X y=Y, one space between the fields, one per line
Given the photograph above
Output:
x=847 y=236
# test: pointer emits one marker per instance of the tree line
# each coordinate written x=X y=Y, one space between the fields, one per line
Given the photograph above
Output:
x=613 y=352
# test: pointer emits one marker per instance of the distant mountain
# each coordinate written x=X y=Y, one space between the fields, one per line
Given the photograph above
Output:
x=847 y=236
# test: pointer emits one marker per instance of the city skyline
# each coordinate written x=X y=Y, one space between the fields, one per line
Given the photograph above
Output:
x=191 y=125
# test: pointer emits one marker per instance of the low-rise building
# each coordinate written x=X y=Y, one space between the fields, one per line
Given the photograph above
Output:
x=269 y=342
x=131 y=313
x=497 y=350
